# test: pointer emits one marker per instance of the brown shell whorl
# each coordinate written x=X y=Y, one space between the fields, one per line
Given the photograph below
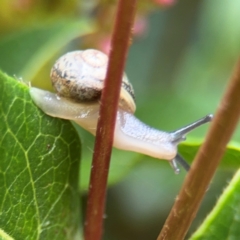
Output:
x=79 y=76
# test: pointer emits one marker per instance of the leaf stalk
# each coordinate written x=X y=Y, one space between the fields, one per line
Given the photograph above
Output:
x=205 y=164
x=107 y=117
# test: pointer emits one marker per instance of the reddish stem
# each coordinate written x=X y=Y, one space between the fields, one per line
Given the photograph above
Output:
x=106 y=123
x=205 y=164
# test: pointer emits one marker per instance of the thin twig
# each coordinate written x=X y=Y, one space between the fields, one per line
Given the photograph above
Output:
x=205 y=163
x=106 y=123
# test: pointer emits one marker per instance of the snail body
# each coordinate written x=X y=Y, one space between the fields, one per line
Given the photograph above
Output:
x=78 y=78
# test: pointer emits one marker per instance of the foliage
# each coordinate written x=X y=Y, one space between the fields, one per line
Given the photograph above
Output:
x=223 y=221
x=39 y=167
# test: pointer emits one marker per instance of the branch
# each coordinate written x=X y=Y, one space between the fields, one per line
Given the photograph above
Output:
x=205 y=163
x=106 y=123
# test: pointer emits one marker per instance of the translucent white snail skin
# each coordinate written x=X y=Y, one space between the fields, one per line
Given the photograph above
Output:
x=78 y=78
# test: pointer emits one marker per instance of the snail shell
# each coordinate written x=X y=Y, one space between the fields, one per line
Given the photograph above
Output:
x=80 y=76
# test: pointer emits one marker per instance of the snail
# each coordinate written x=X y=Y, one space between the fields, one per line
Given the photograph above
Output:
x=78 y=78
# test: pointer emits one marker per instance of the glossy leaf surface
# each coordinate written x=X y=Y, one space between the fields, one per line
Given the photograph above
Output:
x=39 y=169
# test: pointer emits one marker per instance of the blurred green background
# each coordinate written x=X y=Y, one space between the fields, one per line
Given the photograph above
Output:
x=181 y=57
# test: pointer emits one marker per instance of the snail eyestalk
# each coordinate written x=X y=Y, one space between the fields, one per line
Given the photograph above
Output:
x=174 y=166
x=179 y=136
x=180 y=160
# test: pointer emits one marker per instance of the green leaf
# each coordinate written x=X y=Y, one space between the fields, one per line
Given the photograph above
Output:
x=230 y=159
x=4 y=235
x=224 y=220
x=39 y=169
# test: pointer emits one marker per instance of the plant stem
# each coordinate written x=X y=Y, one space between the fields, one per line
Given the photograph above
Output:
x=205 y=163
x=107 y=117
